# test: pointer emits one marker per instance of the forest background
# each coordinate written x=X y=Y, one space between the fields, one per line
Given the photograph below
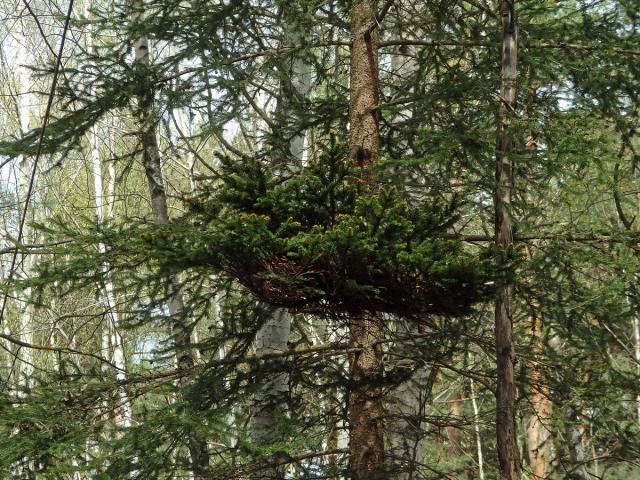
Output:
x=315 y=239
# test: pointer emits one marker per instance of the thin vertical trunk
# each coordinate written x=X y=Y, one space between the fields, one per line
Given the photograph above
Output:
x=505 y=352
x=407 y=401
x=636 y=338
x=332 y=435
x=337 y=437
x=454 y=433
x=404 y=419
x=111 y=336
x=632 y=296
x=476 y=428
x=271 y=400
x=294 y=90
x=25 y=167
x=273 y=336
x=365 y=406
x=198 y=453
x=577 y=458
x=23 y=367
x=124 y=415
x=538 y=433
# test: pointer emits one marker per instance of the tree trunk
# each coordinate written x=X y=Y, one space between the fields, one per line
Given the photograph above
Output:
x=24 y=368
x=22 y=365
x=111 y=336
x=577 y=458
x=407 y=402
x=198 y=453
x=538 y=429
x=270 y=404
x=364 y=143
x=294 y=88
x=505 y=352
x=455 y=434
x=365 y=407
x=406 y=410
x=124 y=415
x=476 y=428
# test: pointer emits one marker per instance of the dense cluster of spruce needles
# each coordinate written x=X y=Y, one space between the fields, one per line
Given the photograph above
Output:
x=326 y=241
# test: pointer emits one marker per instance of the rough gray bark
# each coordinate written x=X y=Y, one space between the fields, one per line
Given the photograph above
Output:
x=270 y=404
x=181 y=333
x=505 y=352
x=405 y=424
x=578 y=467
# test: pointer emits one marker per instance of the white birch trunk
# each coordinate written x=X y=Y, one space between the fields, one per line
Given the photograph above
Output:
x=23 y=367
x=301 y=76
x=124 y=417
x=269 y=406
x=25 y=166
x=405 y=413
x=273 y=335
x=476 y=428
x=24 y=364
x=198 y=450
x=407 y=402
x=636 y=338
x=111 y=335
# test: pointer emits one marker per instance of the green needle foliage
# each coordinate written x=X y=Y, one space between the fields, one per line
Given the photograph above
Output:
x=322 y=241
x=325 y=241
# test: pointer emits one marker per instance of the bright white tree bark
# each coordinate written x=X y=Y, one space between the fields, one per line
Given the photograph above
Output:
x=111 y=337
x=273 y=335
x=476 y=428
x=406 y=403
x=24 y=106
x=198 y=450
x=124 y=417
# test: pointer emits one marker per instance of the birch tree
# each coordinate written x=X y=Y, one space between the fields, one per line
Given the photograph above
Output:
x=408 y=401
x=112 y=337
x=180 y=329
x=273 y=336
